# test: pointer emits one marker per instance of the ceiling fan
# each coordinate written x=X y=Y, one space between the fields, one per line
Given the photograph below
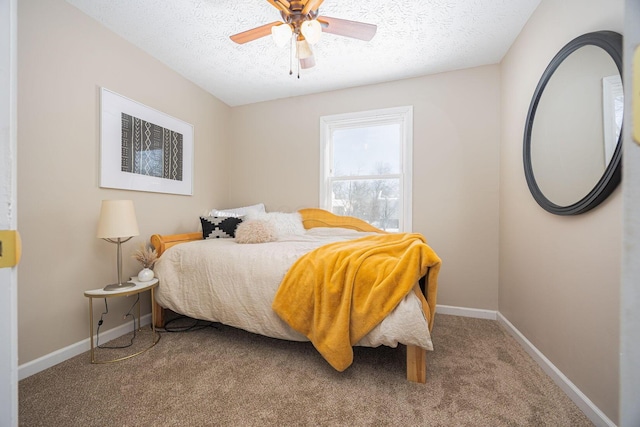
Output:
x=304 y=26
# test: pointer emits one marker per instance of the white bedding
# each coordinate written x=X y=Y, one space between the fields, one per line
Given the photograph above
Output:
x=234 y=284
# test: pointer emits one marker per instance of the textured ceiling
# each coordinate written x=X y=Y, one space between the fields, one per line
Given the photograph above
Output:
x=414 y=38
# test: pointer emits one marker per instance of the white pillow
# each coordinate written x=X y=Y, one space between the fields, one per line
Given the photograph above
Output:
x=238 y=212
x=284 y=224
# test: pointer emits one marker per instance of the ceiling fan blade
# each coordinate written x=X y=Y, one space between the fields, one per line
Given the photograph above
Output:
x=282 y=6
x=344 y=27
x=311 y=5
x=253 y=34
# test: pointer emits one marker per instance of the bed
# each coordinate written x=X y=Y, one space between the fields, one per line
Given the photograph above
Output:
x=265 y=288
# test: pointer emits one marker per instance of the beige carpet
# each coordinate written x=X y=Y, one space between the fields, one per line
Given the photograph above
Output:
x=477 y=376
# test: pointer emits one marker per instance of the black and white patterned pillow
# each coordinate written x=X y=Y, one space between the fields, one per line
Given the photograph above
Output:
x=219 y=227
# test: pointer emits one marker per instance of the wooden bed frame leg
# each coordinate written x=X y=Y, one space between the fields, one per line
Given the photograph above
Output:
x=416 y=364
x=158 y=315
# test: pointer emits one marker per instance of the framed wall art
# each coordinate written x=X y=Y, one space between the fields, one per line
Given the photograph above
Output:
x=143 y=149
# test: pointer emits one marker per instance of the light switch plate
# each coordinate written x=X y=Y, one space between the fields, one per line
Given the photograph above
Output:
x=10 y=248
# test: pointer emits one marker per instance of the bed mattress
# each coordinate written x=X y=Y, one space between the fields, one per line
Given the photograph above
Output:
x=223 y=281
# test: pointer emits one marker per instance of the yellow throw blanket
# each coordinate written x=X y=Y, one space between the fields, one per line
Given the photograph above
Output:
x=338 y=293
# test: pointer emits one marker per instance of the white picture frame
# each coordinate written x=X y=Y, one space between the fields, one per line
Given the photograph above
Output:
x=143 y=149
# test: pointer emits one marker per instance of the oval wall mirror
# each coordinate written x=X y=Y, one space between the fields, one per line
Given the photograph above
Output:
x=573 y=136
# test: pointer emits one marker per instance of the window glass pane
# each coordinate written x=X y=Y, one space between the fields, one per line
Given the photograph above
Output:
x=376 y=201
x=365 y=166
x=372 y=150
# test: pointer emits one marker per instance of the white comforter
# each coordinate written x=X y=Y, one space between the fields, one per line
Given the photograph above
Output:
x=234 y=284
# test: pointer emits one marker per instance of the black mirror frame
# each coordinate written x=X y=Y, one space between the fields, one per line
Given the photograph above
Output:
x=611 y=42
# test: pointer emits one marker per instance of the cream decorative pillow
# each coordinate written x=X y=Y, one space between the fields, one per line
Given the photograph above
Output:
x=284 y=224
x=255 y=231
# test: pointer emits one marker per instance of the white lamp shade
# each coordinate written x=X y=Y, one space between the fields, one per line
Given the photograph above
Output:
x=311 y=30
x=117 y=219
x=309 y=62
x=281 y=34
x=304 y=50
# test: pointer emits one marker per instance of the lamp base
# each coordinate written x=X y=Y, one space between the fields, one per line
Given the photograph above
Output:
x=118 y=286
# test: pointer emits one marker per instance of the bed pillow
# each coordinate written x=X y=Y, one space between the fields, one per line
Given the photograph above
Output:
x=219 y=227
x=238 y=212
x=255 y=231
x=284 y=224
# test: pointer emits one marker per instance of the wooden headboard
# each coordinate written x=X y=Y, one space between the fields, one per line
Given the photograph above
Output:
x=314 y=217
x=162 y=242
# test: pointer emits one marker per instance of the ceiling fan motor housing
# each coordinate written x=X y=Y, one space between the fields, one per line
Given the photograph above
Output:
x=296 y=18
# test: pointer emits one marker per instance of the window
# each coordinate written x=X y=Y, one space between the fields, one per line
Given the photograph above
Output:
x=365 y=166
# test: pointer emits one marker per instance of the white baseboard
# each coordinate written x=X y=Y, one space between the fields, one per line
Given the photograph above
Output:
x=466 y=312
x=592 y=412
x=58 y=356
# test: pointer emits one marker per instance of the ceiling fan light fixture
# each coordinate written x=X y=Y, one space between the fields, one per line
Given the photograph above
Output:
x=309 y=62
x=303 y=49
x=281 y=34
x=311 y=30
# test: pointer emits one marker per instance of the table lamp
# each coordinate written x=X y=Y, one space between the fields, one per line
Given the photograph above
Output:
x=117 y=225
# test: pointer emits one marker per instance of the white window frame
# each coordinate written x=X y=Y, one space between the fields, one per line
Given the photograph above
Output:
x=396 y=115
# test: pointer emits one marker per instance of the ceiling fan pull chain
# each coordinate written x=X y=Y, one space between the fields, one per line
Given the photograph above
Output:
x=297 y=55
x=291 y=56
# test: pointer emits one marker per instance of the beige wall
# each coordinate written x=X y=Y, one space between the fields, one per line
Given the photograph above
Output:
x=275 y=159
x=559 y=276
x=64 y=57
